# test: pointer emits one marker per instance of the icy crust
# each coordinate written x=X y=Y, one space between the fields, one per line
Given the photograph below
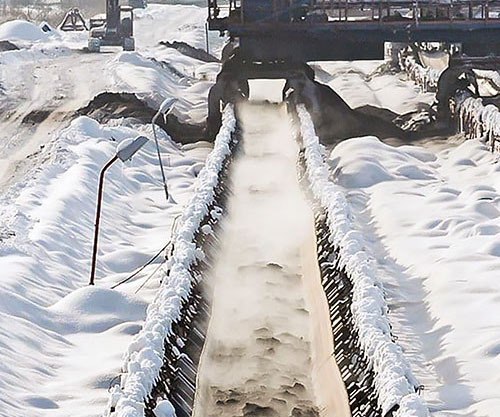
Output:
x=144 y=357
x=394 y=381
x=478 y=121
x=427 y=78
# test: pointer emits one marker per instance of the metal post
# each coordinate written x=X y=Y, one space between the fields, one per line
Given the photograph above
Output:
x=206 y=37
x=159 y=157
x=98 y=217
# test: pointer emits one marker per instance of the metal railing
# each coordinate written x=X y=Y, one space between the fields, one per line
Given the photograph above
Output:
x=381 y=11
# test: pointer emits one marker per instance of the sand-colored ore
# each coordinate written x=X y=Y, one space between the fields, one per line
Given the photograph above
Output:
x=268 y=349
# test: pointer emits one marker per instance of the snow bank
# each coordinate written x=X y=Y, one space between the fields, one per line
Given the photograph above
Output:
x=22 y=30
x=53 y=326
x=426 y=77
x=394 y=381
x=145 y=354
x=432 y=223
x=152 y=81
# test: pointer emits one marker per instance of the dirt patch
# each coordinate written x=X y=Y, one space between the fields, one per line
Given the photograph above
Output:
x=335 y=120
x=381 y=113
x=190 y=51
x=7 y=46
x=108 y=106
x=495 y=100
x=36 y=116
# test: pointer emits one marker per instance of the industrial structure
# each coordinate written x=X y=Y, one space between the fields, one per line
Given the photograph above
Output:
x=117 y=29
x=309 y=30
x=276 y=38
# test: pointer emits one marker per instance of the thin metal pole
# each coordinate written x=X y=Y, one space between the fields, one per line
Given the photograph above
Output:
x=159 y=156
x=98 y=217
x=206 y=37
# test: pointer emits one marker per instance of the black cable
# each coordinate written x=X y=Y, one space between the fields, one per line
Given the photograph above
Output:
x=147 y=279
x=142 y=267
x=152 y=259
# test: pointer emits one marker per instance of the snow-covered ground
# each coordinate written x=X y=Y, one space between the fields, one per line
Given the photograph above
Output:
x=360 y=84
x=62 y=341
x=51 y=77
x=431 y=219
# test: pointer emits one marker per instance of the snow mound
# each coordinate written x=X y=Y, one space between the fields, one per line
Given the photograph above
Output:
x=95 y=300
x=22 y=30
x=94 y=309
x=164 y=409
x=152 y=81
x=365 y=162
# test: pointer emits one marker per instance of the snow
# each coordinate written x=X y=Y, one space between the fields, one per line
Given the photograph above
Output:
x=444 y=231
x=394 y=380
x=428 y=223
x=360 y=83
x=134 y=72
x=478 y=121
x=164 y=409
x=63 y=341
x=53 y=75
x=145 y=354
x=22 y=31
x=48 y=314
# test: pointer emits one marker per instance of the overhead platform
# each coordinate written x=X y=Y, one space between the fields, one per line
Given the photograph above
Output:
x=304 y=30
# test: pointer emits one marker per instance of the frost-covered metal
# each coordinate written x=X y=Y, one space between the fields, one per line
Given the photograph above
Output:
x=425 y=77
x=473 y=118
x=478 y=121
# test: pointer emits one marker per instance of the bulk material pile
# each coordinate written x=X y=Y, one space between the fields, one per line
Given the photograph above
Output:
x=145 y=355
x=394 y=382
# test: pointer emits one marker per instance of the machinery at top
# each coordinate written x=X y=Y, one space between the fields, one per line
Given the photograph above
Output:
x=314 y=30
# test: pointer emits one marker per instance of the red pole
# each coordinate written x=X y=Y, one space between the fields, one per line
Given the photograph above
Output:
x=98 y=216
